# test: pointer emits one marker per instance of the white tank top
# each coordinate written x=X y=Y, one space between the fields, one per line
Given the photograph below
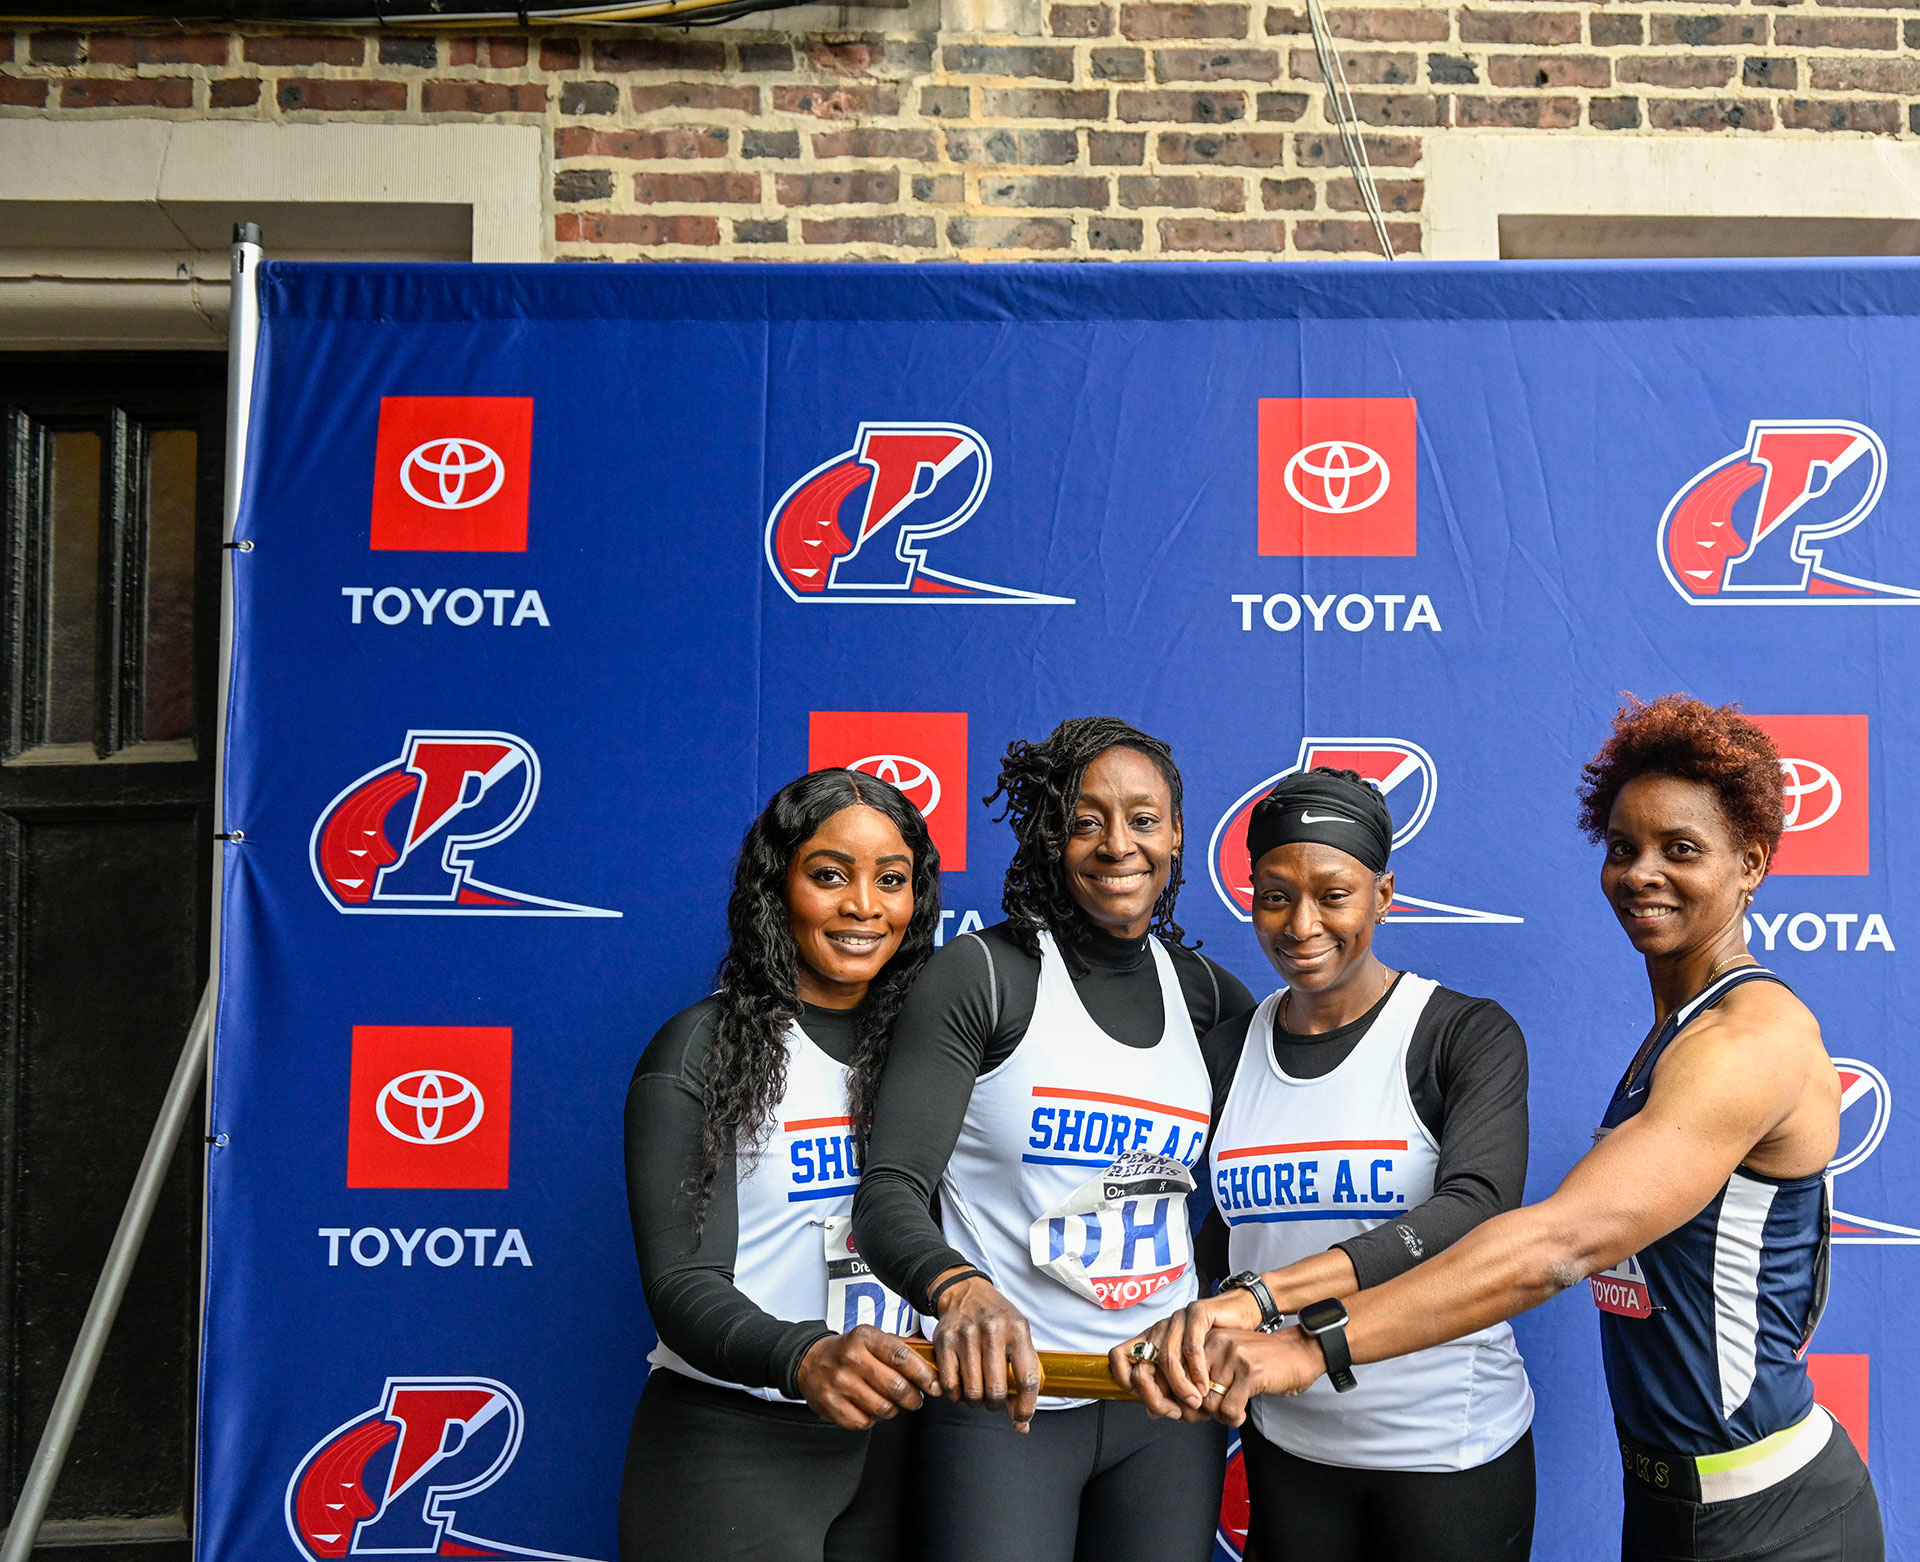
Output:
x=1300 y=1164
x=1058 y=1115
x=795 y=1257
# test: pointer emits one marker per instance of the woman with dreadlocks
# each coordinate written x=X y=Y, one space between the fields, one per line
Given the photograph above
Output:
x=784 y=1370
x=1046 y=1081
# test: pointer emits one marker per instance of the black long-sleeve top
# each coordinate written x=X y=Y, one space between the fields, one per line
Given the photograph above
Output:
x=1467 y=1075
x=696 y=1307
x=967 y=1012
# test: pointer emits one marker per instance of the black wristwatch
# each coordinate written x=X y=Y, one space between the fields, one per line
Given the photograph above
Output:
x=1327 y=1322
x=1248 y=1280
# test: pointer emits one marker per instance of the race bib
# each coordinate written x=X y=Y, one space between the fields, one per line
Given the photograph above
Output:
x=854 y=1295
x=1623 y=1290
x=1121 y=1237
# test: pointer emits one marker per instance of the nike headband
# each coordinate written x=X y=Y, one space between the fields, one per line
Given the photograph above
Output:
x=1331 y=807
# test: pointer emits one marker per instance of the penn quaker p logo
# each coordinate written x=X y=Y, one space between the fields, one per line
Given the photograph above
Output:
x=430 y=1106
x=1753 y=529
x=1824 y=765
x=1866 y=1109
x=923 y=753
x=451 y=474
x=856 y=528
x=403 y=839
x=1405 y=774
x=390 y=1482
x=1337 y=477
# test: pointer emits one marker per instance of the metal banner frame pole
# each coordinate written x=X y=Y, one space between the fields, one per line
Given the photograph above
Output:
x=64 y=1419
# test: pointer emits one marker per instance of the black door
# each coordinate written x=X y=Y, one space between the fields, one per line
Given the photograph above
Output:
x=109 y=614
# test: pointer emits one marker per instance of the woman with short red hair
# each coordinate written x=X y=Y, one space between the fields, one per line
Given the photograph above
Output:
x=1700 y=1215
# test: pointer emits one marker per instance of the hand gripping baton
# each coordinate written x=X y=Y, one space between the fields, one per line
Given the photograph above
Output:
x=1066 y=1374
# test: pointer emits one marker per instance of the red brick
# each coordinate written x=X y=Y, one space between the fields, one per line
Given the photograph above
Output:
x=1216 y=65
x=1835 y=32
x=1286 y=195
x=718 y=189
x=1388 y=108
x=1381 y=26
x=1364 y=69
x=482 y=97
x=772 y=55
x=1004 y=145
x=235 y=92
x=1070 y=190
x=166 y=49
x=908 y=145
x=1233 y=150
x=1552 y=70
x=1340 y=235
x=56 y=49
x=559 y=54
x=1116 y=148
x=1119 y=64
x=1281 y=23
x=1229 y=237
x=1045 y=102
x=1184 y=21
x=1518 y=113
x=1046 y=62
x=865 y=185
x=1677 y=70
x=1322 y=150
x=840 y=102
x=1874 y=118
x=1613 y=113
x=20 y=92
x=682 y=143
x=1709 y=114
x=1396 y=195
x=1284 y=107
x=1211 y=192
x=463 y=51
x=621 y=228
x=1868 y=75
x=1761 y=72
x=1079 y=21
x=1114 y=233
x=658 y=54
x=695 y=95
x=1011 y=233
x=899 y=231
x=1699 y=32
x=142 y=92
x=1606 y=31
x=1205 y=108
x=1538 y=27
x=507 y=54
x=864 y=56
x=304 y=49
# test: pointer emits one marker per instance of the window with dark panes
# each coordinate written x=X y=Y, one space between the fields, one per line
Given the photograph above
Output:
x=110 y=472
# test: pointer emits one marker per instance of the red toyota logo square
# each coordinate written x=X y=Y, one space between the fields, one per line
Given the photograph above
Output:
x=1825 y=762
x=429 y=1106
x=1337 y=477
x=450 y=474
x=923 y=753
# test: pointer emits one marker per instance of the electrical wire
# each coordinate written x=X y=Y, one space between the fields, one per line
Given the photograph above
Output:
x=426 y=14
x=1353 y=146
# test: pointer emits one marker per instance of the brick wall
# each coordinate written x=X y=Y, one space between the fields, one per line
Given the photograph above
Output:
x=1128 y=130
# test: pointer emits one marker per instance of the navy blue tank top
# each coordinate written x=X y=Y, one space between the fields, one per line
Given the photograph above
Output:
x=1703 y=1331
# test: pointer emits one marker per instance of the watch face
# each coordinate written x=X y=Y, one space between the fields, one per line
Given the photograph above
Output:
x=1322 y=1315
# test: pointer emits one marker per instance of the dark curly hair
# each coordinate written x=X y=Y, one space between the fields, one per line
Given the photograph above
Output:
x=758 y=997
x=1678 y=735
x=1041 y=782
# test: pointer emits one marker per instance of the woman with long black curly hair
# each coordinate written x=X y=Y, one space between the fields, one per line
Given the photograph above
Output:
x=784 y=1370
x=1047 y=1081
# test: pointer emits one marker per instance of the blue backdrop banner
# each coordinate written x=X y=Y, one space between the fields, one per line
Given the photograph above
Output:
x=558 y=572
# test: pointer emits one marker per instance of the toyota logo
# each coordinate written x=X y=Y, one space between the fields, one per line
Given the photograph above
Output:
x=432 y=1106
x=460 y=473
x=1809 y=786
x=1337 y=477
x=909 y=775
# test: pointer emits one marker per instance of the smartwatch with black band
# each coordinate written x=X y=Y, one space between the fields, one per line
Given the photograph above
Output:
x=1248 y=1280
x=1327 y=1322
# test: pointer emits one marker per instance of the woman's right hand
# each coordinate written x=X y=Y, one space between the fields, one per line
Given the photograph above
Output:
x=984 y=1351
x=863 y=1376
x=1175 y=1383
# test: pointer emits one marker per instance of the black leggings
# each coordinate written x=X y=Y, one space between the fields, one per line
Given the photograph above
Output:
x=1103 y=1483
x=1307 y=1512
x=714 y=1473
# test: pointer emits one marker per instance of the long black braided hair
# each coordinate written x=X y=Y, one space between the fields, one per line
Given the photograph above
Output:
x=758 y=992
x=1041 y=783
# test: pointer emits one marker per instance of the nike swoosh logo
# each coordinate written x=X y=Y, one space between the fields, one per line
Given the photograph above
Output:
x=1307 y=818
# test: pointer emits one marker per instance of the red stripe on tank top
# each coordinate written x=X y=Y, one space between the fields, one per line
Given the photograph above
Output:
x=1112 y=1100
x=1314 y=1144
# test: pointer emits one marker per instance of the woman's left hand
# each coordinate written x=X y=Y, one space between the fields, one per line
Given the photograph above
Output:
x=1243 y=1362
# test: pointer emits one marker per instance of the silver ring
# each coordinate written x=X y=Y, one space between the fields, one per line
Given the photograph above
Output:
x=1144 y=1353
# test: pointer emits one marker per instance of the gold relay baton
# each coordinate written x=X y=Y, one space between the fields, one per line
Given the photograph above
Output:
x=1064 y=1373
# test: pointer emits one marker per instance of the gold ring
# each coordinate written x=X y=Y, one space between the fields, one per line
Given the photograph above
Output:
x=1219 y=1388
x=1144 y=1353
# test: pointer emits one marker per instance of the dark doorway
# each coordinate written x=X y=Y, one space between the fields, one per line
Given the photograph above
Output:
x=110 y=475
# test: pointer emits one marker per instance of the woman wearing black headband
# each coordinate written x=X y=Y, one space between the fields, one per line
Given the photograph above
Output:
x=1378 y=1112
